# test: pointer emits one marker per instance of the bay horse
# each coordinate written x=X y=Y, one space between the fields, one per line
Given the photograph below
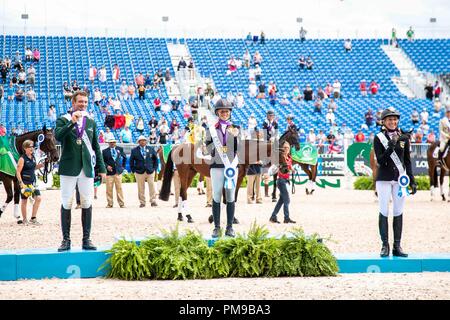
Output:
x=249 y=152
x=435 y=169
x=48 y=146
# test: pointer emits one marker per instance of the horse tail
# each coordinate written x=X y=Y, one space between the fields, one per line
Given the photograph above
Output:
x=167 y=179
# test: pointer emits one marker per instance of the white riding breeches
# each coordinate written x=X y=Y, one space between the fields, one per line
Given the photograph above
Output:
x=386 y=190
x=443 y=144
x=85 y=186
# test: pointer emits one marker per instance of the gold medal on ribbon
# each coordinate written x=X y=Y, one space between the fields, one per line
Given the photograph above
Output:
x=224 y=149
x=79 y=142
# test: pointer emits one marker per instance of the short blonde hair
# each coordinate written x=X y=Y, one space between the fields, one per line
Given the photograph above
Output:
x=26 y=144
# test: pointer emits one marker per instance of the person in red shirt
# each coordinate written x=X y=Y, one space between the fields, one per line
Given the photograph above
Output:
x=374 y=87
x=360 y=137
x=284 y=174
x=363 y=88
x=157 y=104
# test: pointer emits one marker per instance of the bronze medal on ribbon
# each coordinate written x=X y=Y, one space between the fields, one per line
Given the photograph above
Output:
x=79 y=142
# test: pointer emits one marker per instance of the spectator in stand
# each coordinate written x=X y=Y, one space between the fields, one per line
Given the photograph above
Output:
x=17 y=61
x=363 y=88
x=262 y=39
x=251 y=74
x=148 y=83
x=11 y=92
x=296 y=94
x=36 y=55
x=153 y=123
x=175 y=103
x=117 y=107
x=336 y=89
x=31 y=95
x=258 y=73
x=424 y=115
x=240 y=103
x=321 y=140
x=181 y=65
x=101 y=136
x=431 y=137
x=255 y=39
x=379 y=123
x=108 y=134
x=328 y=90
x=348 y=45
x=167 y=75
x=272 y=98
x=257 y=59
x=2 y=130
x=285 y=100
x=102 y=74
x=374 y=87
x=410 y=34
x=75 y=86
x=246 y=58
x=132 y=91
x=437 y=90
x=28 y=54
x=348 y=136
x=232 y=65
x=318 y=105
x=330 y=117
x=4 y=72
x=67 y=91
x=252 y=89
x=309 y=63
x=141 y=92
x=174 y=124
x=272 y=88
x=369 y=118
x=116 y=73
x=437 y=106
x=301 y=63
x=140 y=125
x=156 y=81
x=125 y=135
x=261 y=91
x=321 y=94
x=394 y=37
x=249 y=39
x=418 y=137
x=157 y=103
x=31 y=75
x=302 y=33
x=14 y=80
x=429 y=91
x=123 y=91
x=163 y=132
x=2 y=93
x=424 y=127
x=97 y=96
x=308 y=94
x=19 y=94
x=191 y=69
x=360 y=136
x=92 y=74
x=22 y=76
x=332 y=105
x=415 y=117
x=311 y=137
x=140 y=80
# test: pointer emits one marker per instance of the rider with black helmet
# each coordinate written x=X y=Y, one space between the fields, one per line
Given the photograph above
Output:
x=222 y=143
x=392 y=150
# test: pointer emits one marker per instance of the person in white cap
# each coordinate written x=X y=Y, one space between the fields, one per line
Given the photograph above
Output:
x=115 y=161
x=143 y=163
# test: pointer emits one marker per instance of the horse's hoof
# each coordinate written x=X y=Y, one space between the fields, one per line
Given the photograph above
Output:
x=311 y=191
x=274 y=200
x=307 y=192
x=443 y=198
x=235 y=221
x=180 y=217
x=210 y=219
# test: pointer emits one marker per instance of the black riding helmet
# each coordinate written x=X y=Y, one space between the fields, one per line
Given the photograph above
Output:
x=222 y=104
x=270 y=113
x=390 y=112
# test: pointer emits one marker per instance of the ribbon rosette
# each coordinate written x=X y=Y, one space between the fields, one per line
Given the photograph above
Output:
x=403 y=182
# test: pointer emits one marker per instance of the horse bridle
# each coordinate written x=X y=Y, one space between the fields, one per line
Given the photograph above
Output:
x=48 y=164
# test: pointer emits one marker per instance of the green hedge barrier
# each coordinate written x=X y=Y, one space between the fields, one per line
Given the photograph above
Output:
x=366 y=183
x=174 y=256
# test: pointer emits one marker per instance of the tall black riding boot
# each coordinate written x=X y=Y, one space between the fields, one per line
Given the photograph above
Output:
x=66 y=216
x=230 y=217
x=86 y=221
x=216 y=218
x=398 y=226
x=384 y=234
